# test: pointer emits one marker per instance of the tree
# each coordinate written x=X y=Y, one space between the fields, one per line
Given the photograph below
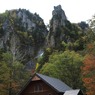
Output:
x=3 y=78
x=44 y=58
x=92 y=23
x=12 y=75
x=88 y=70
x=65 y=66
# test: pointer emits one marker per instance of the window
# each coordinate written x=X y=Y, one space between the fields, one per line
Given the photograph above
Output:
x=38 y=88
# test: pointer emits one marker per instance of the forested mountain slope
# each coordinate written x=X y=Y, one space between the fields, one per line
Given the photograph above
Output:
x=61 y=51
x=22 y=33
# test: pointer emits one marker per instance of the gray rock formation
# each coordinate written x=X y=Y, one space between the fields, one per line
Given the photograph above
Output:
x=58 y=20
x=58 y=17
x=23 y=34
x=25 y=20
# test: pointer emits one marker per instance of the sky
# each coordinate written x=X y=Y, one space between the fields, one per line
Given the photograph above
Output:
x=75 y=10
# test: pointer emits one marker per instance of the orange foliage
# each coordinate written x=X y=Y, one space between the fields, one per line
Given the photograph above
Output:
x=89 y=74
x=3 y=87
x=90 y=46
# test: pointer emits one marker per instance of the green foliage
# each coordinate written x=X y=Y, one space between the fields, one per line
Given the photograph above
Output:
x=38 y=37
x=3 y=16
x=12 y=75
x=65 y=66
x=1 y=31
x=92 y=23
x=44 y=58
x=50 y=70
x=70 y=33
x=26 y=38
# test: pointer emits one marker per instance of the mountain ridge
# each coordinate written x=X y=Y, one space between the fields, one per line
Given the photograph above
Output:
x=24 y=34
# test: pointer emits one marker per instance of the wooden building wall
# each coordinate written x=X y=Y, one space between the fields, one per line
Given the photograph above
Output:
x=38 y=87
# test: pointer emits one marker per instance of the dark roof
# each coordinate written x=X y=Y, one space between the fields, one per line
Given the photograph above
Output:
x=58 y=85
x=55 y=83
x=73 y=92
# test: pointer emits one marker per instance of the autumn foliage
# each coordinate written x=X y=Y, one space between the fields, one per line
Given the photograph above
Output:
x=88 y=71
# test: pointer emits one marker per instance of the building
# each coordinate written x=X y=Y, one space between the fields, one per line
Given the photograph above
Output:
x=73 y=92
x=43 y=85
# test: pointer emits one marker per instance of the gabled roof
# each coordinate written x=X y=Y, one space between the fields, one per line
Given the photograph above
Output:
x=54 y=83
x=73 y=92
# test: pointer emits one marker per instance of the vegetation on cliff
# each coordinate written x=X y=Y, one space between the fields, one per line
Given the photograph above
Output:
x=66 y=51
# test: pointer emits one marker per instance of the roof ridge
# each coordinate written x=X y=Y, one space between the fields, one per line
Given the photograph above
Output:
x=47 y=76
x=57 y=84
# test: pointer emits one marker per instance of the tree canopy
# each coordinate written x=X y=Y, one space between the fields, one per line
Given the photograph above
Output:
x=65 y=66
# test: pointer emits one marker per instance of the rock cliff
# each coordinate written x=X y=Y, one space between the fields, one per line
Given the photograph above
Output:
x=58 y=20
x=25 y=35
x=22 y=33
x=58 y=17
x=61 y=30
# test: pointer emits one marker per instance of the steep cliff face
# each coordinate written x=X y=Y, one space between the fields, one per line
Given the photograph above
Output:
x=61 y=30
x=58 y=17
x=22 y=33
x=58 y=20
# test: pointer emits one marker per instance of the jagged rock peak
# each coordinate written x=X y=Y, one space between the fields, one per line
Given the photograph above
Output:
x=58 y=18
x=58 y=21
x=59 y=13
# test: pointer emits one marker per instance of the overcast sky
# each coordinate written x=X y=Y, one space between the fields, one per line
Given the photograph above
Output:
x=75 y=10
